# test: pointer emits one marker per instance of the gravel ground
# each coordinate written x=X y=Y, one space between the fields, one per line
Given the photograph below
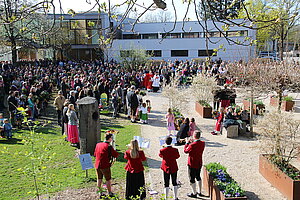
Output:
x=240 y=155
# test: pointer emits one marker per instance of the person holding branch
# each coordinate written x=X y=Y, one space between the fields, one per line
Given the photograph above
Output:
x=105 y=154
x=135 y=179
x=169 y=167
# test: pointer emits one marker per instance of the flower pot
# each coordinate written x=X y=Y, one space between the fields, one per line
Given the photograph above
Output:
x=287 y=186
x=205 y=112
x=256 y=108
x=285 y=105
x=212 y=190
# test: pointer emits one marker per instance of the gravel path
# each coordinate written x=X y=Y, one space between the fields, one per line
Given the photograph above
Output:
x=240 y=156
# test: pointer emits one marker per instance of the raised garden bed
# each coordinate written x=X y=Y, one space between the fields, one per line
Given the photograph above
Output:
x=258 y=106
x=219 y=185
x=289 y=187
x=286 y=105
x=204 y=109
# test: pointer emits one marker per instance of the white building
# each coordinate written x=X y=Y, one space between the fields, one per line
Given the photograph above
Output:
x=186 y=41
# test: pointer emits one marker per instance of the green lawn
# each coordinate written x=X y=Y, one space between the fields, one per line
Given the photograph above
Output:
x=56 y=164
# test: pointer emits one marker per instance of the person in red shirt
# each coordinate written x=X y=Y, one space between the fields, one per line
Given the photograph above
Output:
x=135 y=179
x=169 y=166
x=195 y=148
x=104 y=154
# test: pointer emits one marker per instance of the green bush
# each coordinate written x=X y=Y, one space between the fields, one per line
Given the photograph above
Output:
x=259 y=103
x=204 y=103
x=288 y=98
x=228 y=186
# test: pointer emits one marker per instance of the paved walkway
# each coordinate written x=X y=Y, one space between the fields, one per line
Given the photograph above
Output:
x=240 y=156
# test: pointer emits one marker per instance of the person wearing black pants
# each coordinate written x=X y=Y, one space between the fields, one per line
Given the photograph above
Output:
x=195 y=148
x=169 y=167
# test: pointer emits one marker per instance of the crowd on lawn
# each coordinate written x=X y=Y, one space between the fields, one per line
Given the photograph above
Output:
x=26 y=88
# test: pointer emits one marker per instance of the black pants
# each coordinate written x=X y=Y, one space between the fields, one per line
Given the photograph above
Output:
x=167 y=179
x=194 y=174
x=59 y=116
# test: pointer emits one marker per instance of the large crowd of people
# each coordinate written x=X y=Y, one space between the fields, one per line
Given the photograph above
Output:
x=26 y=88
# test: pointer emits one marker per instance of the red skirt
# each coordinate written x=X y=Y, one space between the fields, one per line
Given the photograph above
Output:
x=225 y=103
x=73 y=135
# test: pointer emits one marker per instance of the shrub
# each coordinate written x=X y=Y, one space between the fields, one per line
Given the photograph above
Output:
x=204 y=103
x=259 y=103
x=287 y=98
x=228 y=186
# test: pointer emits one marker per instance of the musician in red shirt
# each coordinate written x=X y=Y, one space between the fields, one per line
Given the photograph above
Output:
x=104 y=154
x=195 y=148
x=169 y=166
x=135 y=179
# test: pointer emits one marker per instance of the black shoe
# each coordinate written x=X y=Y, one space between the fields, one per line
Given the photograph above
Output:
x=192 y=195
x=200 y=194
x=111 y=194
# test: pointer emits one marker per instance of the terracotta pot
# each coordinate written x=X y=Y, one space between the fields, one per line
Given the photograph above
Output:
x=285 y=105
x=213 y=191
x=287 y=186
x=256 y=108
x=205 y=112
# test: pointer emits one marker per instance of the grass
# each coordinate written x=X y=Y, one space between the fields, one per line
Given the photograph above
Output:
x=57 y=166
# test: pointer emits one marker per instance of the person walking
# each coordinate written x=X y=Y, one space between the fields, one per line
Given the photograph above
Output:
x=133 y=103
x=104 y=154
x=59 y=105
x=169 y=167
x=135 y=179
x=195 y=148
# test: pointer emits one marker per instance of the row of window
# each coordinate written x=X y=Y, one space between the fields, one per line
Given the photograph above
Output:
x=185 y=35
x=174 y=53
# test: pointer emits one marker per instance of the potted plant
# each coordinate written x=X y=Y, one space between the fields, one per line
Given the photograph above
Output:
x=279 y=142
x=258 y=106
x=204 y=109
x=178 y=119
x=202 y=89
x=220 y=185
x=287 y=102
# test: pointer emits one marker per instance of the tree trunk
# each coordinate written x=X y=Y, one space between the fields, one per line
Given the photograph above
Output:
x=14 y=52
x=251 y=113
x=279 y=100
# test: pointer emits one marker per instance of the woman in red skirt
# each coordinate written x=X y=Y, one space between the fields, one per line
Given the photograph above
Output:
x=220 y=119
x=73 y=135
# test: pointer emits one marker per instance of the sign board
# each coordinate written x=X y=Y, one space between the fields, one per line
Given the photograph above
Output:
x=162 y=140
x=86 y=161
x=143 y=142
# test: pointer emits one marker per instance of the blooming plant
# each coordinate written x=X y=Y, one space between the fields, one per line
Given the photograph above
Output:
x=223 y=180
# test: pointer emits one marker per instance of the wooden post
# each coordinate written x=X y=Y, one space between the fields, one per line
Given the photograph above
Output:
x=251 y=113
x=89 y=124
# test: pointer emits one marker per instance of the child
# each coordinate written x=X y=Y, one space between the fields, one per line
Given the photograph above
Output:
x=7 y=129
x=219 y=118
x=1 y=125
x=148 y=105
x=144 y=113
x=170 y=120
x=192 y=127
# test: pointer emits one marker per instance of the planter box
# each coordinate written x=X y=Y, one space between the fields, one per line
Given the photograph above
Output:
x=256 y=108
x=205 y=112
x=286 y=105
x=213 y=191
x=287 y=186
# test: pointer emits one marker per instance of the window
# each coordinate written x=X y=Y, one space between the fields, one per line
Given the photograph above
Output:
x=214 y=34
x=150 y=36
x=131 y=36
x=93 y=24
x=171 y=35
x=204 y=53
x=191 y=35
x=154 y=53
x=243 y=33
x=179 y=53
x=237 y=33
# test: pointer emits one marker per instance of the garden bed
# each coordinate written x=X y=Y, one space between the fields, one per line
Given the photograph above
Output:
x=204 y=109
x=286 y=105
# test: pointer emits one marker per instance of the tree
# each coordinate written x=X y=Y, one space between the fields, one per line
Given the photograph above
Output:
x=19 y=22
x=158 y=16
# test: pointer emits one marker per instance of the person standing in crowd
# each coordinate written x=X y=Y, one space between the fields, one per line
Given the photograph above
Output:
x=104 y=154
x=114 y=102
x=183 y=132
x=72 y=97
x=73 y=135
x=133 y=103
x=135 y=179
x=144 y=113
x=65 y=87
x=155 y=82
x=7 y=129
x=195 y=148
x=59 y=104
x=12 y=106
x=170 y=121
x=169 y=167
x=31 y=105
x=65 y=119
x=192 y=127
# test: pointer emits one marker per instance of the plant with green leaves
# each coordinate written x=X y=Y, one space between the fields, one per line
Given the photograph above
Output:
x=227 y=185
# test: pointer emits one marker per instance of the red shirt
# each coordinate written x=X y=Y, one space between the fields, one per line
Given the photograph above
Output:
x=195 y=151
x=134 y=165
x=169 y=156
x=101 y=153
